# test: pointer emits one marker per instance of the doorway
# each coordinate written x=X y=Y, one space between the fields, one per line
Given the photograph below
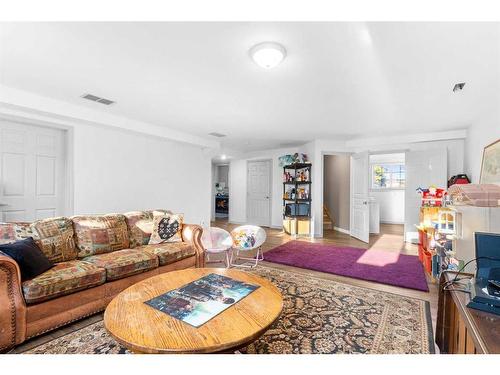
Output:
x=259 y=192
x=381 y=177
x=336 y=193
x=220 y=193
x=33 y=172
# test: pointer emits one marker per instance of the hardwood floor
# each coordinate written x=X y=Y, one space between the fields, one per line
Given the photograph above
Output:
x=389 y=239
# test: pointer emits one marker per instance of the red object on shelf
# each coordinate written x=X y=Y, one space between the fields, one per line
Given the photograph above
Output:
x=421 y=244
x=459 y=179
x=433 y=197
x=421 y=253
x=427 y=261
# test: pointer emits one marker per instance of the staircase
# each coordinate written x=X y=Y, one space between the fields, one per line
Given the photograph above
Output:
x=327 y=219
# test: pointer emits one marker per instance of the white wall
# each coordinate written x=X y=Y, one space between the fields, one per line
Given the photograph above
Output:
x=118 y=171
x=483 y=132
x=455 y=150
x=391 y=204
x=453 y=141
x=238 y=186
x=238 y=189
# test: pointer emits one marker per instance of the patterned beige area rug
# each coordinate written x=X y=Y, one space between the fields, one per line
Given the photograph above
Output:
x=319 y=316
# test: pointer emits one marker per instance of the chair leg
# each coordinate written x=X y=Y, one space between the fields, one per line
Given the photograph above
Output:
x=227 y=259
x=259 y=256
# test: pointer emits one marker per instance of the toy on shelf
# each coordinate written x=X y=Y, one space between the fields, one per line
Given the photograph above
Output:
x=446 y=221
x=459 y=179
x=287 y=177
x=437 y=230
x=292 y=159
x=432 y=197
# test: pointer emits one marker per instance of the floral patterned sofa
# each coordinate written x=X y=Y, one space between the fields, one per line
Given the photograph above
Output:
x=95 y=258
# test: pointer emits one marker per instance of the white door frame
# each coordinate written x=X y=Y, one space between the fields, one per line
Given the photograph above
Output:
x=68 y=144
x=270 y=161
x=63 y=178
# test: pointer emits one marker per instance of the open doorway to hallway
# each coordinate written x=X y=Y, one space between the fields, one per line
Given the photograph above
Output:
x=220 y=192
x=336 y=193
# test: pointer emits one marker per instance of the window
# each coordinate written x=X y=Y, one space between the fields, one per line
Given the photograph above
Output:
x=388 y=176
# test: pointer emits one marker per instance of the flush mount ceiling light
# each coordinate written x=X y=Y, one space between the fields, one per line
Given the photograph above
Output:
x=268 y=54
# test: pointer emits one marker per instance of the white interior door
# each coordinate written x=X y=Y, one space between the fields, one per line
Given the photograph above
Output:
x=423 y=169
x=360 y=208
x=32 y=169
x=259 y=193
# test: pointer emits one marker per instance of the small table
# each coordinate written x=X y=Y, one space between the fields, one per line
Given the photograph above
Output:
x=143 y=329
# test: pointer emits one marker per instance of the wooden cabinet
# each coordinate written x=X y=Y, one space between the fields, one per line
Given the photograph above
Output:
x=462 y=330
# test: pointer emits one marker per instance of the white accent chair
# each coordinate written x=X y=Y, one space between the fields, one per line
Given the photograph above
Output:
x=247 y=238
x=215 y=241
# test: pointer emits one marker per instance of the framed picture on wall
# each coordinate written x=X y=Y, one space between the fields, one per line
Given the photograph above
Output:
x=490 y=166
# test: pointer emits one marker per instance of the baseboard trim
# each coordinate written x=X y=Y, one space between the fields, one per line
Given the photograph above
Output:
x=236 y=222
x=391 y=222
x=341 y=230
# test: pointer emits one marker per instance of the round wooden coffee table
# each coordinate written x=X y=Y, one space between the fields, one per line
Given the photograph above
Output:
x=144 y=329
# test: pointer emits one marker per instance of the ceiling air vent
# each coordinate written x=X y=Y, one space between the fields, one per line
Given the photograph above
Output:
x=218 y=135
x=97 y=99
x=458 y=87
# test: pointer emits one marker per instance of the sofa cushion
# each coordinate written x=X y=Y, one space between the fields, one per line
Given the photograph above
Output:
x=140 y=226
x=123 y=263
x=55 y=237
x=11 y=232
x=169 y=252
x=100 y=234
x=63 y=278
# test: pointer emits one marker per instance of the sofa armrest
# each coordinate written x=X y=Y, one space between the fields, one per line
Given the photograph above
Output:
x=192 y=233
x=12 y=305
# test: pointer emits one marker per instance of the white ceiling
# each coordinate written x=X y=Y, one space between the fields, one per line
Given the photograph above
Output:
x=339 y=80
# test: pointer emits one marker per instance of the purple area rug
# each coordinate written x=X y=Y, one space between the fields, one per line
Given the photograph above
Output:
x=373 y=265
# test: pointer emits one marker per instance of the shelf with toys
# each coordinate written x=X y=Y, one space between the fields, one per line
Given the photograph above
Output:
x=297 y=198
x=437 y=230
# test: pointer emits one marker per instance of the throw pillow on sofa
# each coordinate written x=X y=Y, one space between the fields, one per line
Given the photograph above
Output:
x=30 y=259
x=166 y=228
x=140 y=225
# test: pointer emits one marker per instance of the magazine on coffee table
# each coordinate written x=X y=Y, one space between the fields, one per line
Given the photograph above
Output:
x=201 y=300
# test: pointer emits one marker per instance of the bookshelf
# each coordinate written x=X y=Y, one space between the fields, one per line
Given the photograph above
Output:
x=297 y=199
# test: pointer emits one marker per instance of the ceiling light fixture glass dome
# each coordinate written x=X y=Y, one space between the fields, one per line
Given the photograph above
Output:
x=268 y=54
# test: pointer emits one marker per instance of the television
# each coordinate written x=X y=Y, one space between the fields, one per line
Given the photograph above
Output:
x=487 y=255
